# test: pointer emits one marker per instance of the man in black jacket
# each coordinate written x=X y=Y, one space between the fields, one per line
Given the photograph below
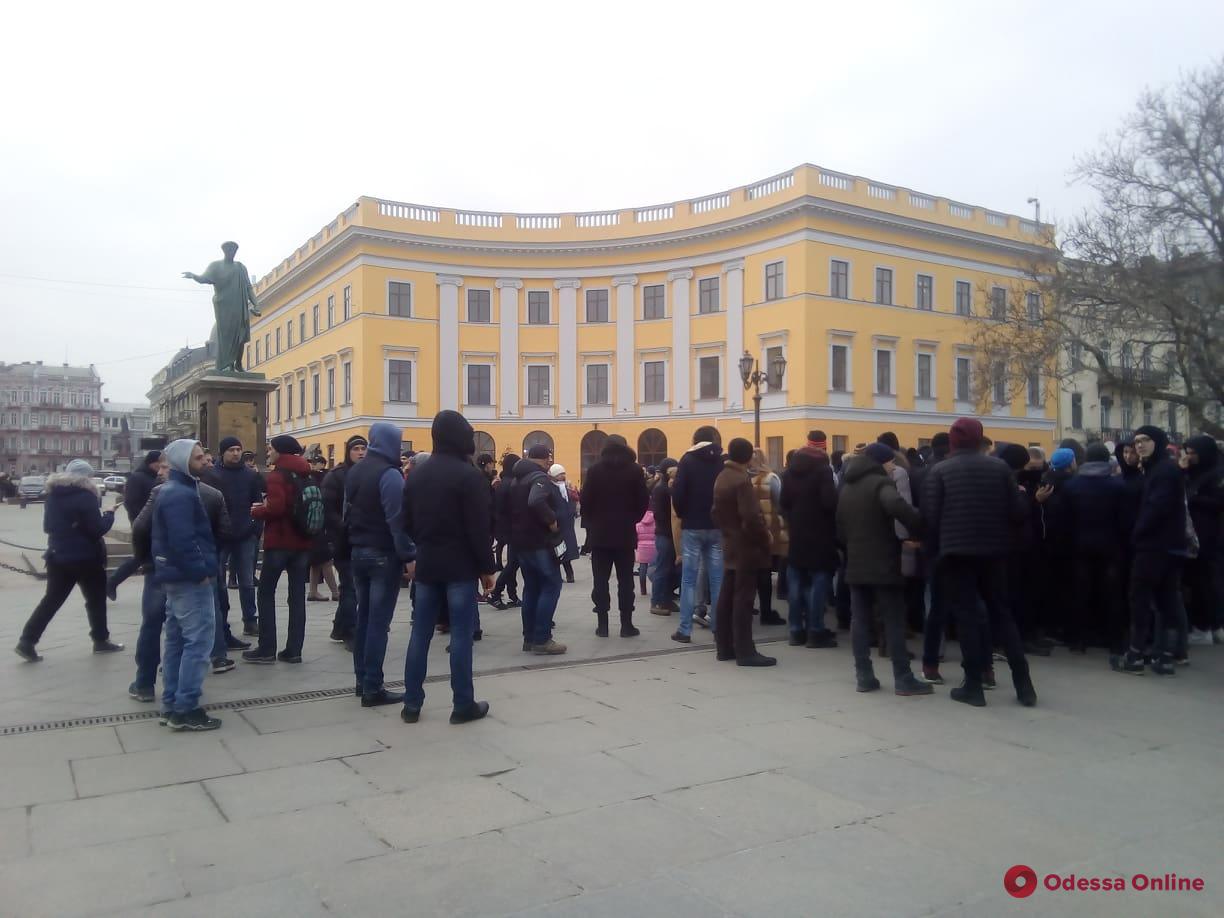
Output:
x=1159 y=544
x=693 y=500
x=507 y=581
x=614 y=498
x=241 y=488
x=534 y=531
x=1205 y=574
x=1091 y=510
x=446 y=511
x=970 y=503
x=809 y=503
x=136 y=491
x=333 y=506
x=663 y=576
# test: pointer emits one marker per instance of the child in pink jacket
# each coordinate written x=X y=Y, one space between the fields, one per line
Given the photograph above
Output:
x=645 y=554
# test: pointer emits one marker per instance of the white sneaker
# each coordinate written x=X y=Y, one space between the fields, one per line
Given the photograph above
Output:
x=1199 y=637
x=1218 y=635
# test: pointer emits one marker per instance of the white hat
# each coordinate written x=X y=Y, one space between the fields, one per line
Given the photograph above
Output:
x=557 y=470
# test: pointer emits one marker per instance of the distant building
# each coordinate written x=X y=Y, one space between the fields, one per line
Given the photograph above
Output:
x=124 y=425
x=49 y=415
x=174 y=413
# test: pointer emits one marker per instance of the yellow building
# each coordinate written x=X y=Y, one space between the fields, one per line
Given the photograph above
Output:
x=565 y=328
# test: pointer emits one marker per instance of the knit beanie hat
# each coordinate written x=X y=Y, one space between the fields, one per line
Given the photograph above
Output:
x=879 y=452
x=740 y=451
x=1097 y=452
x=1015 y=455
x=1158 y=436
x=228 y=443
x=79 y=467
x=965 y=433
x=286 y=445
x=539 y=451
x=818 y=440
x=1062 y=459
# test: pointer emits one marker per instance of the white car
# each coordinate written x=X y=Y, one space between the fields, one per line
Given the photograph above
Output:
x=101 y=484
x=115 y=483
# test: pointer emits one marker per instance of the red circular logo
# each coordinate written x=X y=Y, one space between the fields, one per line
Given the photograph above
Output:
x=1020 y=881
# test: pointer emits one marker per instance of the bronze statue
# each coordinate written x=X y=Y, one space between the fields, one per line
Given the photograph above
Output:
x=232 y=292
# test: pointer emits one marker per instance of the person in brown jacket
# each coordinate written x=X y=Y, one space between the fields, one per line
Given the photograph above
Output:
x=746 y=551
x=867 y=507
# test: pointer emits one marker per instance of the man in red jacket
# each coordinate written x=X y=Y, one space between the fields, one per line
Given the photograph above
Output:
x=286 y=551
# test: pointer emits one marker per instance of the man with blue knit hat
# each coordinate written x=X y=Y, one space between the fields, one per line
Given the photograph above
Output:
x=185 y=566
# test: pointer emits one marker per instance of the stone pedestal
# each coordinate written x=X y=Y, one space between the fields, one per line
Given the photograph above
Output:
x=234 y=405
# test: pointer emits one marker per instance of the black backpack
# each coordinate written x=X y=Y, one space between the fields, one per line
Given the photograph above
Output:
x=306 y=511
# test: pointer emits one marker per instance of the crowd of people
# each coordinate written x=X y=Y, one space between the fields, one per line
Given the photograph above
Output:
x=1010 y=554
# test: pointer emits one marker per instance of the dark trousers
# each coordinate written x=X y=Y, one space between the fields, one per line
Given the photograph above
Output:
x=1204 y=576
x=346 y=610
x=148 y=641
x=507 y=580
x=1155 y=604
x=935 y=626
x=1099 y=603
x=125 y=570
x=90 y=576
x=296 y=566
x=460 y=598
x=733 y=620
x=915 y=603
x=975 y=592
x=603 y=560
x=376 y=575
x=764 y=589
x=664 y=572
x=841 y=600
x=541 y=590
x=889 y=603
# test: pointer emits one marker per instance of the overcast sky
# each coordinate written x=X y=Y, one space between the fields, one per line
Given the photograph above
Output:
x=134 y=138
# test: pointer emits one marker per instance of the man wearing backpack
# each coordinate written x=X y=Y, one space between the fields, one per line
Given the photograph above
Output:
x=285 y=512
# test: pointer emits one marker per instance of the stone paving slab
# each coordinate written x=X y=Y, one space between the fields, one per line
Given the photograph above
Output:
x=119 y=817
x=198 y=756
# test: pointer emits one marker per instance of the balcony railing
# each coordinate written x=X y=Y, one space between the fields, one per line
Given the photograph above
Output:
x=1141 y=376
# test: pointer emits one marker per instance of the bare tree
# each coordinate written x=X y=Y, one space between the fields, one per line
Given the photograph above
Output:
x=1134 y=289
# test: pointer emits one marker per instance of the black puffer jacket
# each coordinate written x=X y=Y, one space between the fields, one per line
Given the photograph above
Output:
x=693 y=489
x=136 y=490
x=809 y=504
x=970 y=503
x=446 y=507
x=614 y=498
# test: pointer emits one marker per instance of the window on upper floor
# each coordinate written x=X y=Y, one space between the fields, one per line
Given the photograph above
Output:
x=775 y=280
x=537 y=385
x=1032 y=306
x=924 y=293
x=962 y=379
x=707 y=295
x=597 y=306
x=925 y=368
x=884 y=286
x=708 y=377
x=998 y=302
x=399 y=299
x=301 y=327
x=399 y=380
x=1077 y=411
x=655 y=385
x=884 y=372
x=480 y=306
x=597 y=384
x=347 y=294
x=538 y=307
x=839 y=279
x=331 y=311
x=1032 y=385
x=839 y=359
x=653 y=301
x=479 y=384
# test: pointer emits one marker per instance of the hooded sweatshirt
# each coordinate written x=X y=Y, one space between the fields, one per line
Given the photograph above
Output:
x=184 y=550
x=1205 y=493
x=374 y=493
x=693 y=490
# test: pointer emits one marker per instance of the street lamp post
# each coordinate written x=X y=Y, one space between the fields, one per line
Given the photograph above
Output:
x=752 y=376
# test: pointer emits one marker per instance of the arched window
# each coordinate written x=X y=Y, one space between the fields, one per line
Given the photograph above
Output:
x=652 y=447
x=485 y=444
x=535 y=438
x=592 y=444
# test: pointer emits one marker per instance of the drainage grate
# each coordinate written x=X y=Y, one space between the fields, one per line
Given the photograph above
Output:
x=109 y=720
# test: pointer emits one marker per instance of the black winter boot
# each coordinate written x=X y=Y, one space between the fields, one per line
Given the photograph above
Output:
x=627 y=629
x=864 y=679
x=601 y=625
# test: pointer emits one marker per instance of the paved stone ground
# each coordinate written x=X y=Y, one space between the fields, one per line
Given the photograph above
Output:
x=668 y=785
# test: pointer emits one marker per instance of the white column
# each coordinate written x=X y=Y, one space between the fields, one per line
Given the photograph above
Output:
x=624 y=343
x=733 y=386
x=509 y=350
x=448 y=341
x=567 y=346
x=681 y=282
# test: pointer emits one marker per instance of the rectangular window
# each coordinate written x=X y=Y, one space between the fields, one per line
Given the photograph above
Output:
x=1106 y=412
x=925 y=362
x=289 y=334
x=1128 y=414
x=841 y=443
x=399 y=299
x=597 y=305
x=775 y=281
x=707 y=295
x=301 y=327
x=331 y=387
x=257 y=349
x=653 y=305
x=289 y=401
x=839 y=355
x=884 y=286
x=1172 y=418
x=348 y=384
x=267 y=347
x=998 y=303
x=537 y=307
x=480 y=306
x=1032 y=306
x=314 y=392
x=1033 y=385
x=537 y=384
x=655 y=389
x=479 y=384
x=64 y=421
x=772 y=356
x=925 y=292
x=399 y=380
x=1077 y=356
x=348 y=302
x=709 y=377
x=884 y=374
x=331 y=310
x=314 y=319
x=774 y=452
x=302 y=397
x=839 y=279
x=964 y=298
x=597 y=384
x=962 y=379
x=1077 y=411
x=999 y=383
x=1147 y=412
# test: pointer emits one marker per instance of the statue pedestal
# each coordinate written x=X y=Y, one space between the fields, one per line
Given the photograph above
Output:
x=234 y=406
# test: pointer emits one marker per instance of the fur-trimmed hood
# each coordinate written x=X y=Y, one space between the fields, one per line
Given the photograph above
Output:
x=66 y=480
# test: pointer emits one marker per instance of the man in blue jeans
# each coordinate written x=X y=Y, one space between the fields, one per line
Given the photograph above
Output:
x=534 y=530
x=382 y=551
x=693 y=500
x=242 y=488
x=447 y=513
x=184 y=566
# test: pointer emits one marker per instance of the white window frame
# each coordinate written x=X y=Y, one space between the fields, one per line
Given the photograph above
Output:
x=586 y=395
x=918 y=276
x=878 y=348
x=842 y=398
x=1006 y=305
x=955 y=304
x=653 y=358
x=546 y=409
x=849 y=278
x=401 y=409
x=966 y=404
x=346 y=297
x=552 y=313
x=642 y=306
x=697 y=358
x=765 y=297
x=478 y=411
x=611 y=306
x=926 y=351
x=892 y=286
x=717 y=278
x=467 y=309
x=411 y=298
